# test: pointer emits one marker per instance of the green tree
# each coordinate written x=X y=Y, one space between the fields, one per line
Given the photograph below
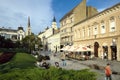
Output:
x=30 y=41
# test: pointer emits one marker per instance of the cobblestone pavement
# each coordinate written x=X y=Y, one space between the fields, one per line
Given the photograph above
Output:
x=90 y=64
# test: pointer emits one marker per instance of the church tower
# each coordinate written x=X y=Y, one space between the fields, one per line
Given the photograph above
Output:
x=54 y=24
x=28 y=32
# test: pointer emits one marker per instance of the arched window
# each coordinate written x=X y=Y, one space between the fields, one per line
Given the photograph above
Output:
x=83 y=32
x=89 y=29
x=79 y=33
x=95 y=28
x=103 y=28
x=112 y=24
x=75 y=34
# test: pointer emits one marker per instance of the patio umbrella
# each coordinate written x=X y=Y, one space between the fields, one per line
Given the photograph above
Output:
x=72 y=48
x=82 y=49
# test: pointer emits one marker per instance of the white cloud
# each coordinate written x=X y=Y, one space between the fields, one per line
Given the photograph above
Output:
x=88 y=1
x=15 y=12
x=101 y=9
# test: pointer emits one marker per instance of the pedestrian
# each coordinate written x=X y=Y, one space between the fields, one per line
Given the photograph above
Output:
x=108 y=72
x=105 y=55
x=102 y=55
x=63 y=57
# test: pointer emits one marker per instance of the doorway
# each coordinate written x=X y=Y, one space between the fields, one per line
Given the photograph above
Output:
x=96 y=46
x=105 y=52
x=114 y=52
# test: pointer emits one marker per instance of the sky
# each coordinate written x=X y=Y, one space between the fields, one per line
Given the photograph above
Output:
x=14 y=13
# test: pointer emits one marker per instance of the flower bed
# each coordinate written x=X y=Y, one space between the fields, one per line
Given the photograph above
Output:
x=6 y=56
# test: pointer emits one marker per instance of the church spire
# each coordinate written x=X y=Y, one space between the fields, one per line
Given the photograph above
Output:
x=54 y=24
x=29 y=21
x=28 y=32
x=54 y=20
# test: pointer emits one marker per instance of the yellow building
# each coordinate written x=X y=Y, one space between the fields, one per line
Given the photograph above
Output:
x=101 y=33
x=79 y=13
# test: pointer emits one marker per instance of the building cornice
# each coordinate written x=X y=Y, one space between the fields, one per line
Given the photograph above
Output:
x=100 y=13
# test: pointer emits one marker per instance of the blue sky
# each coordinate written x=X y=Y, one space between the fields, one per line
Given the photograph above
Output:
x=14 y=13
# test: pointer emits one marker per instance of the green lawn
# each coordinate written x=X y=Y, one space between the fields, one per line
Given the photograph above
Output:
x=20 y=60
x=23 y=60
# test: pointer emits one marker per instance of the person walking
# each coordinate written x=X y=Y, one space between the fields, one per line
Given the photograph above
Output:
x=105 y=55
x=108 y=72
x=63 y=57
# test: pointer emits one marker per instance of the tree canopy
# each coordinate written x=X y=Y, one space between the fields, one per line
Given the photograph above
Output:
x=31 y=42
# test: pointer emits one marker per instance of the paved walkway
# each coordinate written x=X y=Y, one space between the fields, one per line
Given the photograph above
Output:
x=89 y=64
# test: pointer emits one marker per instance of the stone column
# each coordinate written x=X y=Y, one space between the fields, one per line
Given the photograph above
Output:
x=118 y=49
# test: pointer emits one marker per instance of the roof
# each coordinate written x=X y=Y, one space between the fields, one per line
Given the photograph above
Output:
x=8 y=30
x=97 y=14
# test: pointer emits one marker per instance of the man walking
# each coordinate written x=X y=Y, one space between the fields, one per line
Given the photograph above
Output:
x=108 y=72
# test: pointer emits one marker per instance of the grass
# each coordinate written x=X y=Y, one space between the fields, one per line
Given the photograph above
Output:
x=20 y=60
x=23 y=60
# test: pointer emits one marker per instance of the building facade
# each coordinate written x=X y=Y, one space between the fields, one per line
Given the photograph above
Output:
x=12 y=34
x=101 y=33
x=45 y=35
x=79 y=13
x=54 y=42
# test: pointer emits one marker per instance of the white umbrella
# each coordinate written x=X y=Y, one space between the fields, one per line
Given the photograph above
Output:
x=72 y=48
x=82 y=49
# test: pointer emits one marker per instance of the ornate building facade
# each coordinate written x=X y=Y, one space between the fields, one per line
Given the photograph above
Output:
x=12 y=34
x=79 y=13
x=101 y=33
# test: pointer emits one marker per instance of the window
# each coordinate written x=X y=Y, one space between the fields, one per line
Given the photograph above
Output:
x=71 y=20
x=71 y=29
x=71 y=38
x=79 y=33
x=83 y=32
x=112 y=24
x=95 y=28
x=89 y=30
x=103 y=30
x=75 y=34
